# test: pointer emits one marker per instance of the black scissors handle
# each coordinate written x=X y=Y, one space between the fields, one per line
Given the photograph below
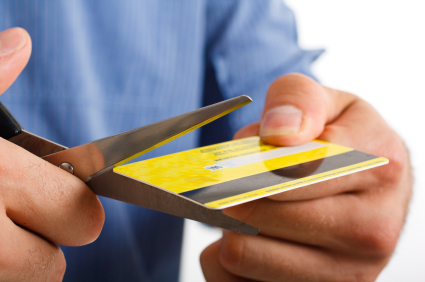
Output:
x=11 y=130
x=9 y=126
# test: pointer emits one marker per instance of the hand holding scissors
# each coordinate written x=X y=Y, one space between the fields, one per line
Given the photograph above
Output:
x=42 y=204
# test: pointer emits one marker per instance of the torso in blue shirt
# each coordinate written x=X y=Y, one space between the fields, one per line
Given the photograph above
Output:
x=103 y=67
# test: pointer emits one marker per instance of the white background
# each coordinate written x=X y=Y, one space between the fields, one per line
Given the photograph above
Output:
x=375 y=49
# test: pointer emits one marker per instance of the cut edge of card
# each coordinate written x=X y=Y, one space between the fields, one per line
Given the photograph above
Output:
x=294 y=184
x=166 y=190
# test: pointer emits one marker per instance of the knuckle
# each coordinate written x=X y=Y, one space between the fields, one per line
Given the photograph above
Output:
x=61 y=191
x=232 y=253
x=207 y=256
x=59 y=271
x=204 y=257
x=43 y=265
x=390 y=146
x=95 y=222
x=66 y=192
x=78 y=212
x=379 y=241
x=57 y=185
x=74 y=198
x=399 y=163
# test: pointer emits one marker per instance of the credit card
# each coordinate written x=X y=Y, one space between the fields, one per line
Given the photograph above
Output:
x=235 y=172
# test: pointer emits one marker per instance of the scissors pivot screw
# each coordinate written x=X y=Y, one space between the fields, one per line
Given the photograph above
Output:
x=67 y=167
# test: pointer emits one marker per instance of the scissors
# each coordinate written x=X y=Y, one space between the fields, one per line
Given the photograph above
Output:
x=93 y=162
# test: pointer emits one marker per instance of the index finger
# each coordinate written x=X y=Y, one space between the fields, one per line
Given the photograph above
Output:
x=46 y=199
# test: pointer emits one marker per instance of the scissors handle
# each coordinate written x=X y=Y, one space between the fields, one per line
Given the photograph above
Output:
x=9 y=126
x=11 y=130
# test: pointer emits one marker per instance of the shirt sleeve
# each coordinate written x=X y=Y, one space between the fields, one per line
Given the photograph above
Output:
x=249 y=44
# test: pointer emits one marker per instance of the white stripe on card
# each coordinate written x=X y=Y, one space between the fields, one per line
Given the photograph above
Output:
x=264 y=156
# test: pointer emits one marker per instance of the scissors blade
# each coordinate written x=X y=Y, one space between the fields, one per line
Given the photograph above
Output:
x=122 y=188
x=36 y=144
x=93 y=159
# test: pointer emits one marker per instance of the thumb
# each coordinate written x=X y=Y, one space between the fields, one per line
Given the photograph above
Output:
x=296 y=110
x=15 y=50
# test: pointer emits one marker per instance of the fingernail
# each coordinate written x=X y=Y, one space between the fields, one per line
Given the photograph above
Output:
x=11 y=40
x=282 y=120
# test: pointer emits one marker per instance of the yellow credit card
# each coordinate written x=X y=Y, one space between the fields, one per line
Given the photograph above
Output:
x=235 y=172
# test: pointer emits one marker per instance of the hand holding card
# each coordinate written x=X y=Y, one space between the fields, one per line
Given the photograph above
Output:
x=341 y=229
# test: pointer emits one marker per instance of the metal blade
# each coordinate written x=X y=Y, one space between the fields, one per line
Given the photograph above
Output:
x=36 y=144
x=95 y=158
x=122 y=188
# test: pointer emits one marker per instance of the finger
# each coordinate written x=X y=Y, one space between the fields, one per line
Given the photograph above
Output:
x=266 y=259
x=352 y=183
x=212 y=269
x=250 y=130
x=342 y=223
x=15 y=50
x=359 y=127
x=46 y=199
x=336 y=117
x=349 y=121
x=297 y=108
x=27 y=257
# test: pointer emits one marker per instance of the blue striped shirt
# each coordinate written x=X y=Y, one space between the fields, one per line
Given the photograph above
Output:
x=99 y=68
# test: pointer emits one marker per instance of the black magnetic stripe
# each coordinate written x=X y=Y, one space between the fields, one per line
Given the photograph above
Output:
x=274 y=177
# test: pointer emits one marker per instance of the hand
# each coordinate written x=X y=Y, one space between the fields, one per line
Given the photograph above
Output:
x=40 y=204
x=343 y=229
